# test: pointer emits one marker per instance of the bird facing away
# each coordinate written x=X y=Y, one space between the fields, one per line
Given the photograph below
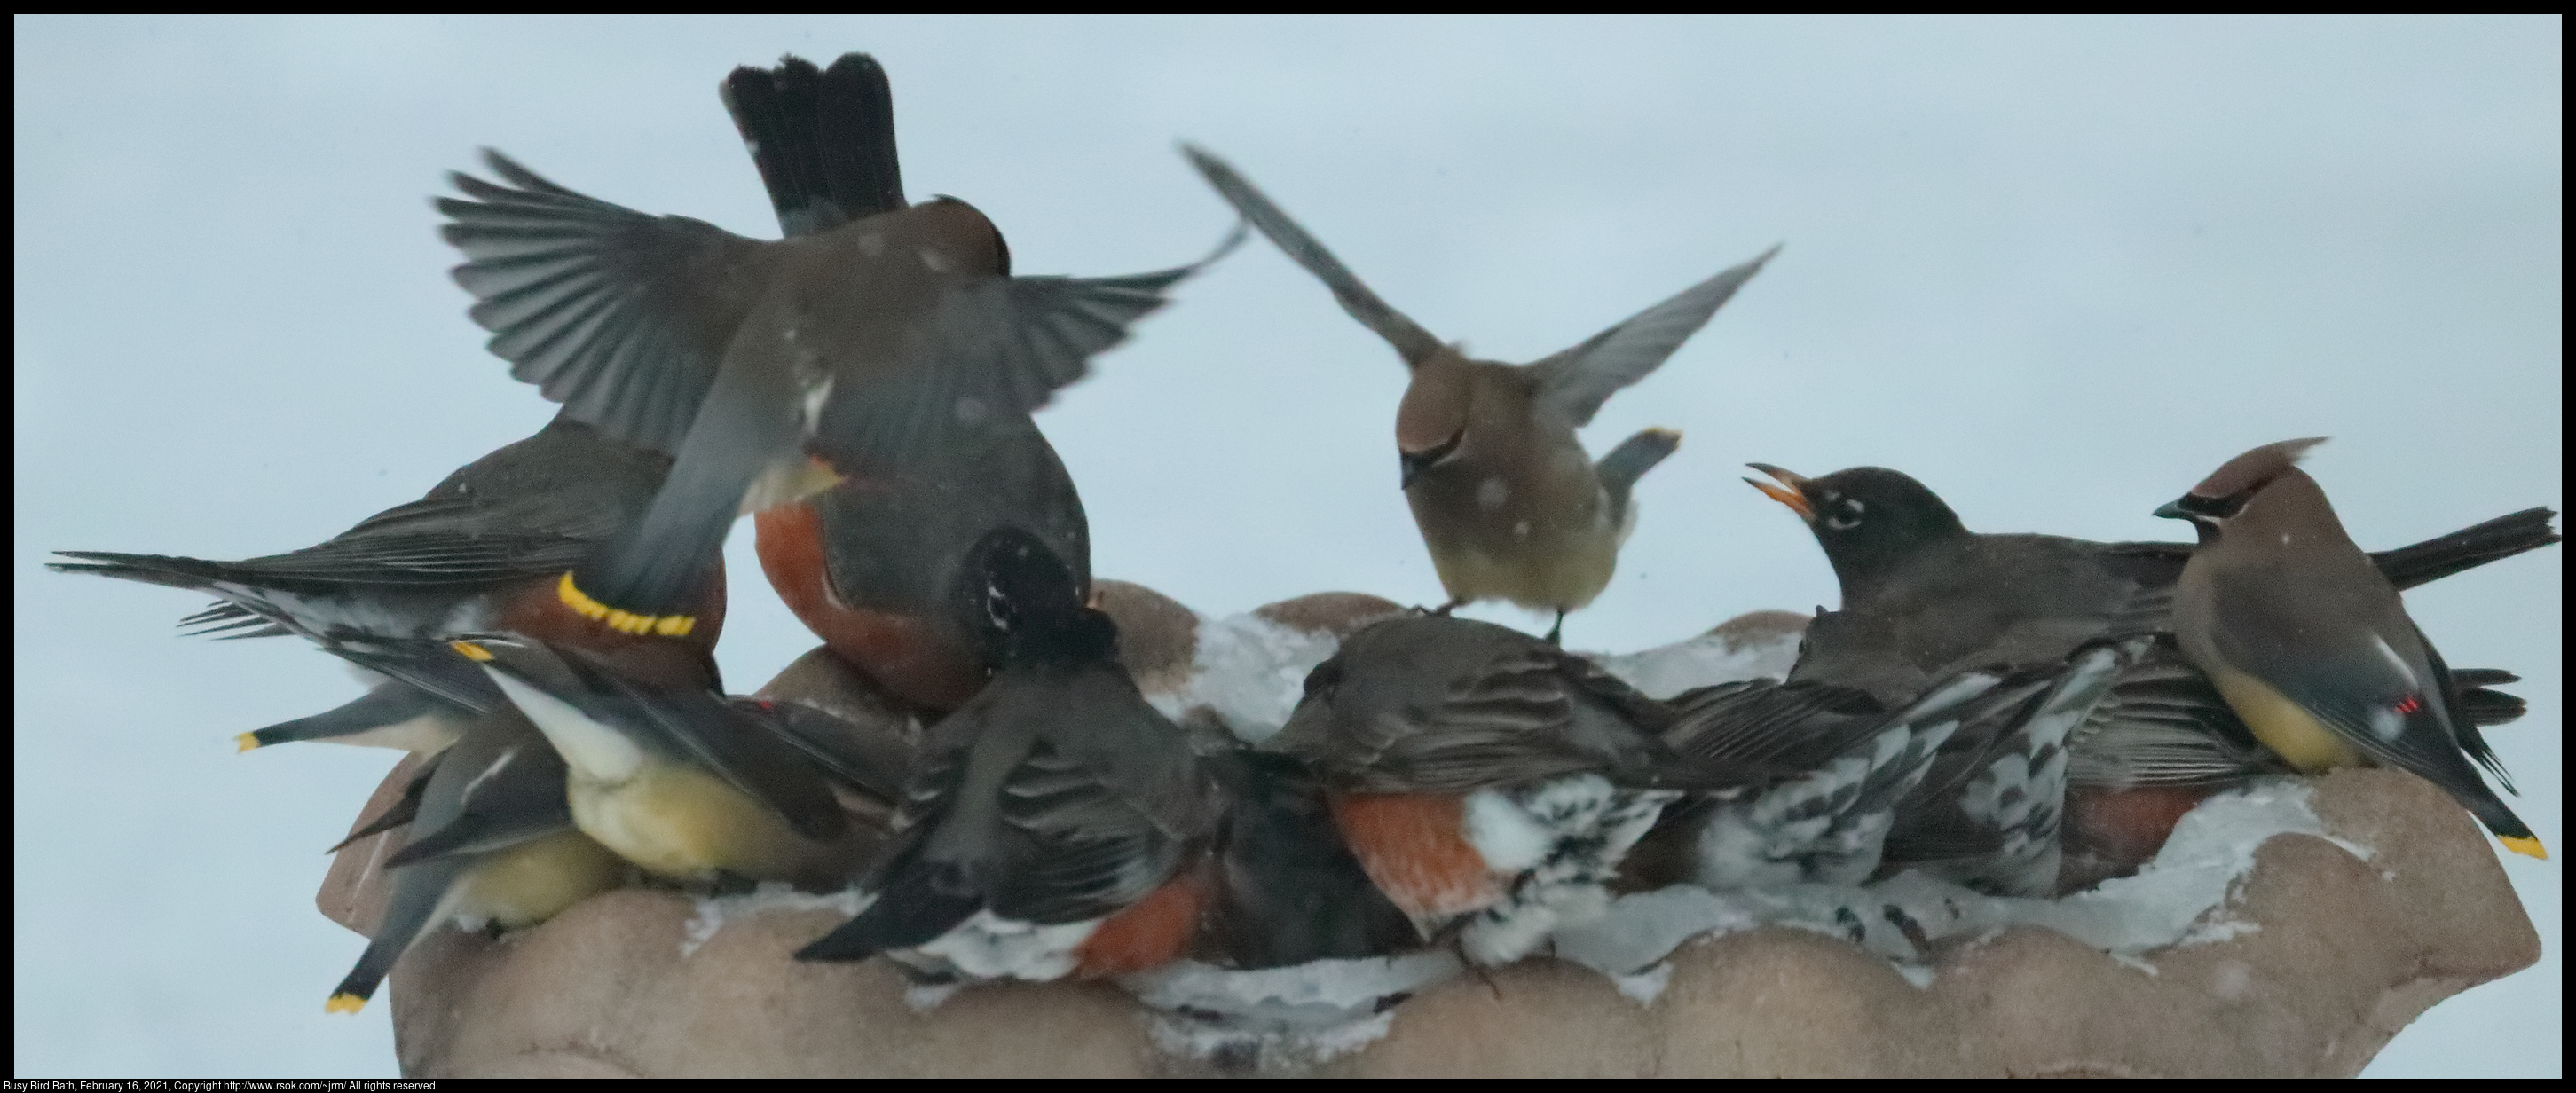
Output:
x=1489 y=783
x=491 y=840
x=766 y=368
x=1922 y=596
x=663 y=769
x=2310 y=642
x=482 y=551
x=1508 y=503
x=1055 y=824
x=867 y=564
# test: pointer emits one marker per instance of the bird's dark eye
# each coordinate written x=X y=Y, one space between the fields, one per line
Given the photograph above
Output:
x=997 y=607
x=1324 y=680
x=1845 y=514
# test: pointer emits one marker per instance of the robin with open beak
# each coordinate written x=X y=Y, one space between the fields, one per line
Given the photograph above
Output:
x=769 y=368
x=1922 y=596
x=492 y=841
x=1508 y=503
x=867 y=564
x=2311 y=644
x=1055 y=825
x=482 y=551
x=1490 y=783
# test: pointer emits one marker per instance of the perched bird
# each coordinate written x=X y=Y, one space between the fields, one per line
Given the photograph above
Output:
x=2310 y=642
x=1922 y=596
x=484 y=550
x=1989 y=812
x=769 y=368
x=1508 y=503
x=663 y=769
x=867 y=564
x=1055 y=824
x=1828 y=822
x=1488 y=782
x=1288 y=891
x=492 y=842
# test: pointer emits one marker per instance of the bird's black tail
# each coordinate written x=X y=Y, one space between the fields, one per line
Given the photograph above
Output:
x=824 y=140
x=916 y=903
x=2468 y=548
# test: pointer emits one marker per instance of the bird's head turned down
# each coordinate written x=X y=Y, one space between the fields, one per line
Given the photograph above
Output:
x=2225 y=492
x=1432 y=419
x=1021 y=602
x=1869 y=520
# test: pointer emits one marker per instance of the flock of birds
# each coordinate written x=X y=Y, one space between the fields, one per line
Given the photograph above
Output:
x=540 y=626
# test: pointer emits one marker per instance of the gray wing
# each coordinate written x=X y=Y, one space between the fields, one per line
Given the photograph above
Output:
x=2163 y=724
x=1411 y=341
x=1524 y=717
x=1000 y=349
x=621 y=316
x=500 y=786
x=1575 y=382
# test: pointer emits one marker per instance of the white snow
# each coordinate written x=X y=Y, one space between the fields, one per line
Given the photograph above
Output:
x=1708 y=659
x=715 y=911
x=1308 y=1013
x=1250 y=672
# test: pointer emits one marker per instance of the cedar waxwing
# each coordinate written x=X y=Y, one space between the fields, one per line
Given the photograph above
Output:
x=2310 y=643
x=1055 y=824
x=1824 y=825
x=492 y=841
x=1508 y=503
x=1489 y=783
x=770 y=368
x=483 y=550
x=1922 y=596
x=1288 y=890
x=867 y=564
x=671 y=775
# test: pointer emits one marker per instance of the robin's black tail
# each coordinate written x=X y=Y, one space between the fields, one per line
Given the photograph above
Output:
x=824 y=140
x=916 y=903
x=2467 y=548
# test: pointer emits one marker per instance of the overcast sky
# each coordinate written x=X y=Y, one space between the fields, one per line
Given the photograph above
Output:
x=2057 y=269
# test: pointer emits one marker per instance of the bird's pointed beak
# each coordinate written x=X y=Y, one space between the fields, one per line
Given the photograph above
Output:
x=2172 y=510
x=1793 y=495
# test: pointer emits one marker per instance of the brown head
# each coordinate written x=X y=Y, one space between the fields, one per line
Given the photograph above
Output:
x=2219 y=497
x=1432 y=420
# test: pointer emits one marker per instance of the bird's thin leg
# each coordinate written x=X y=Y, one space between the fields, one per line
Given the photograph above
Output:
x=1557 y=632
x=1444 y=609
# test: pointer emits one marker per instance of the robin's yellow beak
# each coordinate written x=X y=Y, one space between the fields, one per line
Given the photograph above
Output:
x=1794 y=495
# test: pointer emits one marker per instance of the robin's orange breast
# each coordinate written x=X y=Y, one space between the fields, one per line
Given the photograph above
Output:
x=1414 y=848
x=1152 y=932
x=905 y=654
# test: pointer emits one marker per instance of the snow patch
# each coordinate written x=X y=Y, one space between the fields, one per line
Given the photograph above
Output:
x=771 y=896
x=1703 y=661
x=1275 y=1017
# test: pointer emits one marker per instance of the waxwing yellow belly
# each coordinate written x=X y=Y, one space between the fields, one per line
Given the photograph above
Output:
x=2283 y=725
x=682 y=823
x=536 y=880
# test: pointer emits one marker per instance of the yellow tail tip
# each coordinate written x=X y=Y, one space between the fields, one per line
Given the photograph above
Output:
x=470 y=651
x=248 y=741
x=344 y=1002
x=624 y=622
x=2527 y=847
